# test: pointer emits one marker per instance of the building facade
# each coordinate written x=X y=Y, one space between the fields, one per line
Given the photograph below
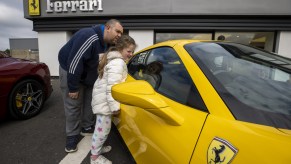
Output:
x=262 y=23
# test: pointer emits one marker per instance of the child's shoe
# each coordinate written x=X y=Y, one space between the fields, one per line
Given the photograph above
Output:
x=100 y=160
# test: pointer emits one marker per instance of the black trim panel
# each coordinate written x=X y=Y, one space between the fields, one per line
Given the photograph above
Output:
x=173 y=22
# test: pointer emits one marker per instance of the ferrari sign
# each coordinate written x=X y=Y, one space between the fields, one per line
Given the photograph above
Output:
x=33 y=7
x=59 y=6
x=220 y=151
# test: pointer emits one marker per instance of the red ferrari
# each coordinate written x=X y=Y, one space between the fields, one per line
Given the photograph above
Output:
x=24 y=87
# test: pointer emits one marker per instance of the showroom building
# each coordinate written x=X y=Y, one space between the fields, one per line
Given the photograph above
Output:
x=262 y=23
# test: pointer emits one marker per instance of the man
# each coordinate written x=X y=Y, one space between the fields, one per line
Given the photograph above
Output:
x=79 y=59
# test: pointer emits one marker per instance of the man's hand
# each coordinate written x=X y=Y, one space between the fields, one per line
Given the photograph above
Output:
x=74 y=95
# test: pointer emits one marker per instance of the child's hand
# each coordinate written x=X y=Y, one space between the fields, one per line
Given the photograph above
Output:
x=116 y=112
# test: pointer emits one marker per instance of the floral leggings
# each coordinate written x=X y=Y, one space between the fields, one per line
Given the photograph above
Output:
x=102 y=129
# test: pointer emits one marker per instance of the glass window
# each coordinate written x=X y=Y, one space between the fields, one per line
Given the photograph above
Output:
x=164 y=70
x=160 y=37
x=254 y=84
x=263 y=40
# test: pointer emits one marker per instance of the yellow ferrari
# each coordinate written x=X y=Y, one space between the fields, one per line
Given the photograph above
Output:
x=202 y=102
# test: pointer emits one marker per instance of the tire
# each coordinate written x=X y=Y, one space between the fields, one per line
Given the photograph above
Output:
x=26 y=99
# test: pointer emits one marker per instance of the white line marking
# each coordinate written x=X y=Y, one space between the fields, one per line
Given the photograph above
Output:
x=78 y=156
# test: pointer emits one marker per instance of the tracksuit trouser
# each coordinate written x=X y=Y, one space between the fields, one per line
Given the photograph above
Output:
x=78 y=112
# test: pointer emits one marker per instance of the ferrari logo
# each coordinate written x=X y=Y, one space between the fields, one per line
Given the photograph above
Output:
x=220 y=151
x=33 y=7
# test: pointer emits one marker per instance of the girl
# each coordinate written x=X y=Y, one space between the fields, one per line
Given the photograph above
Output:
x=112 y=70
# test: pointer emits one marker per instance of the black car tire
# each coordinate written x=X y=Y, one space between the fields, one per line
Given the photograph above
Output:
x=26 y=99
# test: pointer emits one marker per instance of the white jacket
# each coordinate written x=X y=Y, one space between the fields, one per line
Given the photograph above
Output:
x=114 y=72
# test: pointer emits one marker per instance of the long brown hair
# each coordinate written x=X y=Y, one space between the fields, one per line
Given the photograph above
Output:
x=123 y=42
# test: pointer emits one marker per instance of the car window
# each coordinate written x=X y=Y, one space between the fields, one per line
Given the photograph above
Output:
x=251 y=82
x=164 y=70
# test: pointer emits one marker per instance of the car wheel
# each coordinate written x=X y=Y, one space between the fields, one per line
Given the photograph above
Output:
x=26 y=99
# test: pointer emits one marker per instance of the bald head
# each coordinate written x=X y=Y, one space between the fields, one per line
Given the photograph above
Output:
x=112 y=31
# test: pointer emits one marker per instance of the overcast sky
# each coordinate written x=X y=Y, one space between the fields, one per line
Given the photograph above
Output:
x=12 y=23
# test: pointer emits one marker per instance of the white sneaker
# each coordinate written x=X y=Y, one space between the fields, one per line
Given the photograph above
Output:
x=106 y=149
x=100 y=160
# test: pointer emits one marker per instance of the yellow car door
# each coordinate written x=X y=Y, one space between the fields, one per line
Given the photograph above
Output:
x=156 y=132
x=160 y=121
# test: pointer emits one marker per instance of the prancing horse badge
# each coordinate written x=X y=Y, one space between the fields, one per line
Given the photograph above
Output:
x=220 y=151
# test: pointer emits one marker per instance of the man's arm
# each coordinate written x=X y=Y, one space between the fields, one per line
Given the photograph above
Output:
x=82 y=47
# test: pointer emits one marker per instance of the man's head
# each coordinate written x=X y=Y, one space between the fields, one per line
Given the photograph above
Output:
x=112 y=31
x=221 y=37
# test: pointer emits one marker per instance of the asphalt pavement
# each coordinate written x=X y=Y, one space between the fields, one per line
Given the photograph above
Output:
x=41 y=140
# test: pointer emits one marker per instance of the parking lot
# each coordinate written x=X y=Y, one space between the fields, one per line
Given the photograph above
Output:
x=41 y=140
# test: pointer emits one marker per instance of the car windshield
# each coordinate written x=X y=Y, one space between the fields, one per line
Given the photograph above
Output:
x=254 y=84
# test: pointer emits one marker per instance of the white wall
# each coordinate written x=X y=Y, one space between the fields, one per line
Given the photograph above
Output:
x=49 y=45
x=143 y=38
x=284 y=47
x=51 y=42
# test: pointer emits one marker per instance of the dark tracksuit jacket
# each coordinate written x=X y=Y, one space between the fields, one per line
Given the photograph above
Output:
x=80 y=56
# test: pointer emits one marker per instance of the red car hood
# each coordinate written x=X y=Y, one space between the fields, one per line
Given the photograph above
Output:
x=13 y=63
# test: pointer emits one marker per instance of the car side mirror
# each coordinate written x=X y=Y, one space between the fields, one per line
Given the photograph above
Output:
x=141 y=94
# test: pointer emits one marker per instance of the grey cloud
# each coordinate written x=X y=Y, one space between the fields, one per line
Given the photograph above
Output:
x=13 y=24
